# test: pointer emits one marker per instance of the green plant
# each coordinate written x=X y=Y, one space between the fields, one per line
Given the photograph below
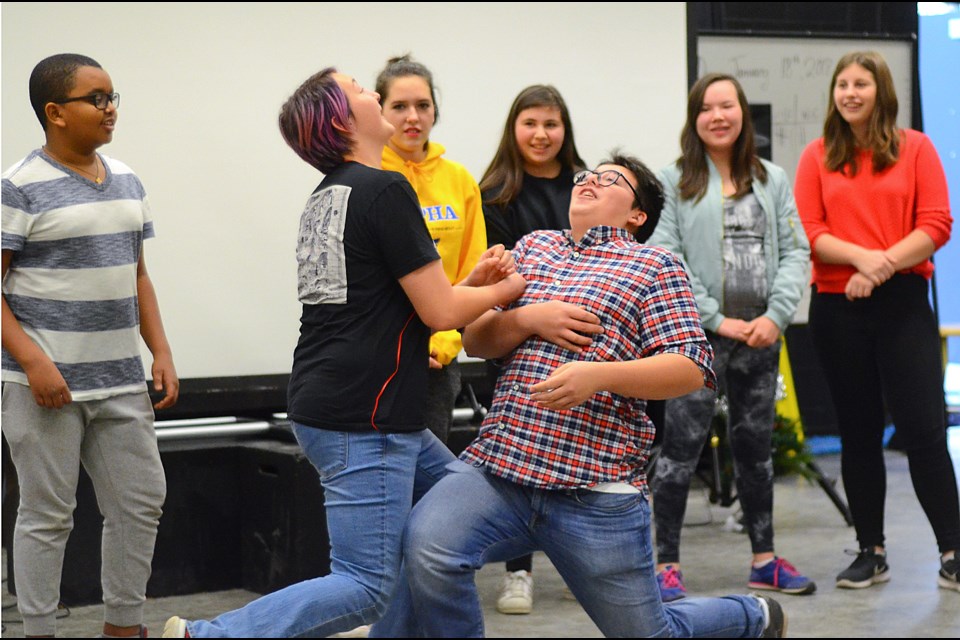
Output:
x=791 y=455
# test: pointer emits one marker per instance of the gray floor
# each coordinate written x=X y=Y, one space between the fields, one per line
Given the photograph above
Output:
x=811 y=533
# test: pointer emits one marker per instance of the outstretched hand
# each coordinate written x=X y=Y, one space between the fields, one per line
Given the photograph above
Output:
x=495 y=264
x=513 y=285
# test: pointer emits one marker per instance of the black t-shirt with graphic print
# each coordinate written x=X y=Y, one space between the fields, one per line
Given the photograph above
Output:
x=359 y=363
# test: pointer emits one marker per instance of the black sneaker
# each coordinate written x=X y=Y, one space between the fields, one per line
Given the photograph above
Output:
x=950 y=574
x=775 y=617
x=868 y=569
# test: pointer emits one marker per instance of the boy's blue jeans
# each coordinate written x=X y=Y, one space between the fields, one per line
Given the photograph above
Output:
x=599 y=542
x=370 y=481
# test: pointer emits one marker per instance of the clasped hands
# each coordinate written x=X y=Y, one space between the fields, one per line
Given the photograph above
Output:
x=874 y=267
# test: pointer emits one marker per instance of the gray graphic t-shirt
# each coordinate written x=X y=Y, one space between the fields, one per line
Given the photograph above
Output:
x=745 y=275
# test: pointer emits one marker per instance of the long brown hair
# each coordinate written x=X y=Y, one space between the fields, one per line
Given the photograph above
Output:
x=503 y=179
x=883 y=134
x=745 y=163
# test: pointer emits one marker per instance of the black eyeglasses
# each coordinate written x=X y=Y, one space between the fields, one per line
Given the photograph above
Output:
x=99 y=100
x=606 y=178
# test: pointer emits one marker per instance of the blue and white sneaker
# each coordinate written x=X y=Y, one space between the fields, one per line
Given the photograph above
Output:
x=780 y=575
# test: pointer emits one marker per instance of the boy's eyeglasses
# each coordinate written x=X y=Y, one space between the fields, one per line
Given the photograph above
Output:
x=99 y=100
x=606 y=178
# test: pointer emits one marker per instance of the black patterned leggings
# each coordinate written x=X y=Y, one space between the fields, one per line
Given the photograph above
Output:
x=748 y=378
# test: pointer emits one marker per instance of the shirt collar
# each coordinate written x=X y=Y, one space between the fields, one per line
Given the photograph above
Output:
x=596 y=236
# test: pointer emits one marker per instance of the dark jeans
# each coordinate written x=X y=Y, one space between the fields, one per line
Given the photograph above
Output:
x=748 y=378
x=884 y=352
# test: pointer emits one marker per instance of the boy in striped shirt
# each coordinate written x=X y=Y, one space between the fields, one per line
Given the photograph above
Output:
x=76 y=301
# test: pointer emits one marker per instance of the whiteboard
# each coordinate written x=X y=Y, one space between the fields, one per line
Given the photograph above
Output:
x=792 y=75
x=201 y=86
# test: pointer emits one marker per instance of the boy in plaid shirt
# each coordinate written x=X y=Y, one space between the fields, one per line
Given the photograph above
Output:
x=604 y=324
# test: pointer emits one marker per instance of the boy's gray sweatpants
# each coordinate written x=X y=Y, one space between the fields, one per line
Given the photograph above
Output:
x=115 y=440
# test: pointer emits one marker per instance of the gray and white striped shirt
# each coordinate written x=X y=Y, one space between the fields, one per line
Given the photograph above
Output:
x=72 y=282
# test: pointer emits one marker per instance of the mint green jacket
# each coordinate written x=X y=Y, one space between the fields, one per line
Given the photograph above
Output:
x=694 y=231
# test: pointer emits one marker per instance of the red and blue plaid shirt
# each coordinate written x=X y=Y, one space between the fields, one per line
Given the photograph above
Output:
x=646 y=307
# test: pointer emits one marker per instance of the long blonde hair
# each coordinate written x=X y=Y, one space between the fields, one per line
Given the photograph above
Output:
x=883 y=135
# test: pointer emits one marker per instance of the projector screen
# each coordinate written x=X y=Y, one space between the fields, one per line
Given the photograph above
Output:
x=202 y=84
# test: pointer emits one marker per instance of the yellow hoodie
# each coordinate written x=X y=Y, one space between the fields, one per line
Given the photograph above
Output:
x=450 y=201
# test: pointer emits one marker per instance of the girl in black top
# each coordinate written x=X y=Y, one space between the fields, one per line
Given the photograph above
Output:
x=528 y=183
x=527 y=187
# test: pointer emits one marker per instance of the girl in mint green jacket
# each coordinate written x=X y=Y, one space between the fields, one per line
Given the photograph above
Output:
x=731 y=217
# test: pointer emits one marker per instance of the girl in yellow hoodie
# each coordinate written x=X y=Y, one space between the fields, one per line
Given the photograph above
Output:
x=450 y=201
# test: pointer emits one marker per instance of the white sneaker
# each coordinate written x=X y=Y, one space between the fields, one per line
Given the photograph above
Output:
x=176 y=627
x=516 y=593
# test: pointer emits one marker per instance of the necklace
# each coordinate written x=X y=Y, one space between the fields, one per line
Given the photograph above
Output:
x=96 y=176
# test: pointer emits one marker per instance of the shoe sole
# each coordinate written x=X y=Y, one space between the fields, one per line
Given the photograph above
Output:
x=679 y=596
x=783 y=629
x=944 y=583
x=863 y=584
x=514 y=611
x=515 y=606
x=802 y=591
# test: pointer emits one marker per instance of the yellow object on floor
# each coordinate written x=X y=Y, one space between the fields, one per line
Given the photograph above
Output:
x=788 y=407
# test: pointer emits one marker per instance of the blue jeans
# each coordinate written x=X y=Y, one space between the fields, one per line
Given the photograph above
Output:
x=370 y=480
x=599 y=542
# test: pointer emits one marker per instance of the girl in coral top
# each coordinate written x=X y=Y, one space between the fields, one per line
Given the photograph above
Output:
x=873 y=201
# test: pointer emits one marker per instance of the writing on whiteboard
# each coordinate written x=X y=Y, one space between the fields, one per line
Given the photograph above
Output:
x=792 y=76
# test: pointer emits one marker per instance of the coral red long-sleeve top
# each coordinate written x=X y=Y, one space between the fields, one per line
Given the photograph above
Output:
x=873 y=210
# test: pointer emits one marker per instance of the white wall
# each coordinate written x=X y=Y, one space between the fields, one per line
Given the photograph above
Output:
x=202 y=84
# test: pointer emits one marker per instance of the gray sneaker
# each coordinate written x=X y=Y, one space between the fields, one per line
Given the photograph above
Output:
x=868 y=569
x=949 y=577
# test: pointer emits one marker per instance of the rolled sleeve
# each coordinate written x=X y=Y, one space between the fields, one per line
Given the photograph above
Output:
x=671 y=322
